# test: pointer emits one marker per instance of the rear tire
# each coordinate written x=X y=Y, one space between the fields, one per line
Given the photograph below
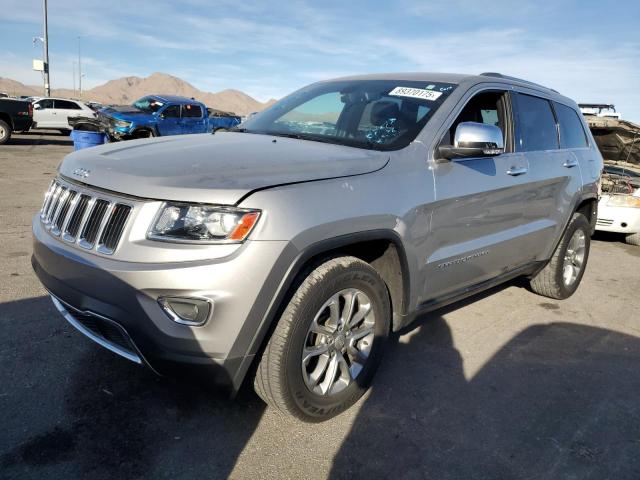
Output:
x=560 y=278
x=5 y=132
x=633 y=239
x=297 y=380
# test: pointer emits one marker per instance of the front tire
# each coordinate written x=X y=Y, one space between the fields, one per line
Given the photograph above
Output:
x=328 y=342
x=5 y=132
x=560 y=278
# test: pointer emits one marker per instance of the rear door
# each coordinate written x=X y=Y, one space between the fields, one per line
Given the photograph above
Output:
x=554 y=172
x=169 y=121
x=43 y=113
x=193 y=120
x=63 y=109
x=476 y=224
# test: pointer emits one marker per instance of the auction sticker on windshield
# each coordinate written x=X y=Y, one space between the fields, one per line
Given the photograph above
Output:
x=415 y=93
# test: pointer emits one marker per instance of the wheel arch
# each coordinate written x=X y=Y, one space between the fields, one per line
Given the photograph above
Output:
x=5 y=117
x=382 y=249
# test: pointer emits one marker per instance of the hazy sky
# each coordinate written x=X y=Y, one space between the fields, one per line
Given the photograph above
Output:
x=587 y=50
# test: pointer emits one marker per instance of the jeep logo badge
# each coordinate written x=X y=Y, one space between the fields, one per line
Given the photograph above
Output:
x=81 y=172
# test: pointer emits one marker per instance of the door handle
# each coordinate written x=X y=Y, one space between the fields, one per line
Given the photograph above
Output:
x=515 y=171
x=570 y=163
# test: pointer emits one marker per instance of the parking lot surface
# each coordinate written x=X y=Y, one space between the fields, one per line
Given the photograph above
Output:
x=505 y=385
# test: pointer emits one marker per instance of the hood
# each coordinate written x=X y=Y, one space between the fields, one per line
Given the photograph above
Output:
x=127 y=112
x=218 y=169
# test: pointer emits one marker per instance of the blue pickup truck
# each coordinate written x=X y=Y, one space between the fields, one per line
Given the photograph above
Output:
x=161 y=115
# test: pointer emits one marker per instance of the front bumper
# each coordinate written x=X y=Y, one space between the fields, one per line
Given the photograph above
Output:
x=124 y=295
x=617 y=219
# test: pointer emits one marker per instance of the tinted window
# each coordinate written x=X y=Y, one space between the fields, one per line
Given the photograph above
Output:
x=191 y=111
x=536 y=125
x=571 y=131
x=44 y=104
x=172 y=111
x=66 y=105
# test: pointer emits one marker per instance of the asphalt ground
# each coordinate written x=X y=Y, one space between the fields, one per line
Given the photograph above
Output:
x=507 y=385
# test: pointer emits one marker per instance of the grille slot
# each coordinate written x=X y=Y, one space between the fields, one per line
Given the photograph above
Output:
x=53 y=205
x=64 y=210
x=83 y=218
x=114 y=228
x=76 y=217
x=91 y=228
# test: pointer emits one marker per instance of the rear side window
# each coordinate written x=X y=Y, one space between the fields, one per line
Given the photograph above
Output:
x=535 y=125
x=66 y=105
x=572 y=133
x=191 y=111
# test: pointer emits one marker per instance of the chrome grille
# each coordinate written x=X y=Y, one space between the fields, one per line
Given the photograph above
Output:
x=84 y=217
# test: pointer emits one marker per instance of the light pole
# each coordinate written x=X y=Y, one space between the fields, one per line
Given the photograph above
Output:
x=45 y=46
x=79 y=68
x=74 y=78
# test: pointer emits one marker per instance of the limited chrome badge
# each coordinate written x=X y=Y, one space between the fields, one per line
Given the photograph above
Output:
x=81 y=172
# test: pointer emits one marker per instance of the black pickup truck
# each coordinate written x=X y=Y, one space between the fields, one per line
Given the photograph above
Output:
x=15 y=115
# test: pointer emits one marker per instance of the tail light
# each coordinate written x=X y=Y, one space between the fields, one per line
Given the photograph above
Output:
x=30 y=109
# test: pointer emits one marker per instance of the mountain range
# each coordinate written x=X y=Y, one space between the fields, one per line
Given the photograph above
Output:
x=127 y=89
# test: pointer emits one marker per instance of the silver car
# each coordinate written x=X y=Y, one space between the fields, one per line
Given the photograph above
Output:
x=294 y=245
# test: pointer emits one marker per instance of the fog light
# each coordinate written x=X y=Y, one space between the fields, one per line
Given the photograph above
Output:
x=187 y=311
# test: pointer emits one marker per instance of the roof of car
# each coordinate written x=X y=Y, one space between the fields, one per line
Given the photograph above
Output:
x=457 y=78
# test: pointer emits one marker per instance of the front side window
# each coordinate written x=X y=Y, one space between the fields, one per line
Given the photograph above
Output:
x=45 y=104
x=572 y=134
x=172 y=111
x=489 y=107
x=191 y=111
x=535 y=124
x=372 y=114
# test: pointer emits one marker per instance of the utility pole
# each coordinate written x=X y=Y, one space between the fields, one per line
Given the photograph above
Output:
x=45 y=46
x=74 y=78
x=79 y=68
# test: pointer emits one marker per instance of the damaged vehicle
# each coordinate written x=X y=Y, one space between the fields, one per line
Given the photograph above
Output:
x=161 y=116
x=286 y=251
x=619 y=143
x=619 y=206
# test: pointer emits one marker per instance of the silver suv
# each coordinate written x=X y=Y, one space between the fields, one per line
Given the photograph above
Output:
x=297 y=243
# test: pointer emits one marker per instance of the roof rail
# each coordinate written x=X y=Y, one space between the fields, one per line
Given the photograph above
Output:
x=507 y=77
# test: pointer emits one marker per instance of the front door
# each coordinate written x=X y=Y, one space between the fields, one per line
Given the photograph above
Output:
x=43 y=113
x=169 y=121
x=476 y=222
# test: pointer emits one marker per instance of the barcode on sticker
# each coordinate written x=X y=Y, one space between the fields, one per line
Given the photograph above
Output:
x=415 y=93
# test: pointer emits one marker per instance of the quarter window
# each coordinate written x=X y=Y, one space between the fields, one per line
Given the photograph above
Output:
x=572 y=133
x=535 y=125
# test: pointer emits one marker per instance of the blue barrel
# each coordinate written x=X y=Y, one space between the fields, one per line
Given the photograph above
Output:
x=83 y=139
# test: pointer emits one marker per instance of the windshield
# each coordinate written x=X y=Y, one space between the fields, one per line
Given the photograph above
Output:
x=373 y=114
x=148 y=104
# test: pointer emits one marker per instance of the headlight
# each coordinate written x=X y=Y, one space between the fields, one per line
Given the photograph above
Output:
x=623 y=201
x=202 y=223
x=122 y=123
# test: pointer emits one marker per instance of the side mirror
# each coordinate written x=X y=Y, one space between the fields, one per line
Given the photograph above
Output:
x=36 y=106
x=474 y=140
